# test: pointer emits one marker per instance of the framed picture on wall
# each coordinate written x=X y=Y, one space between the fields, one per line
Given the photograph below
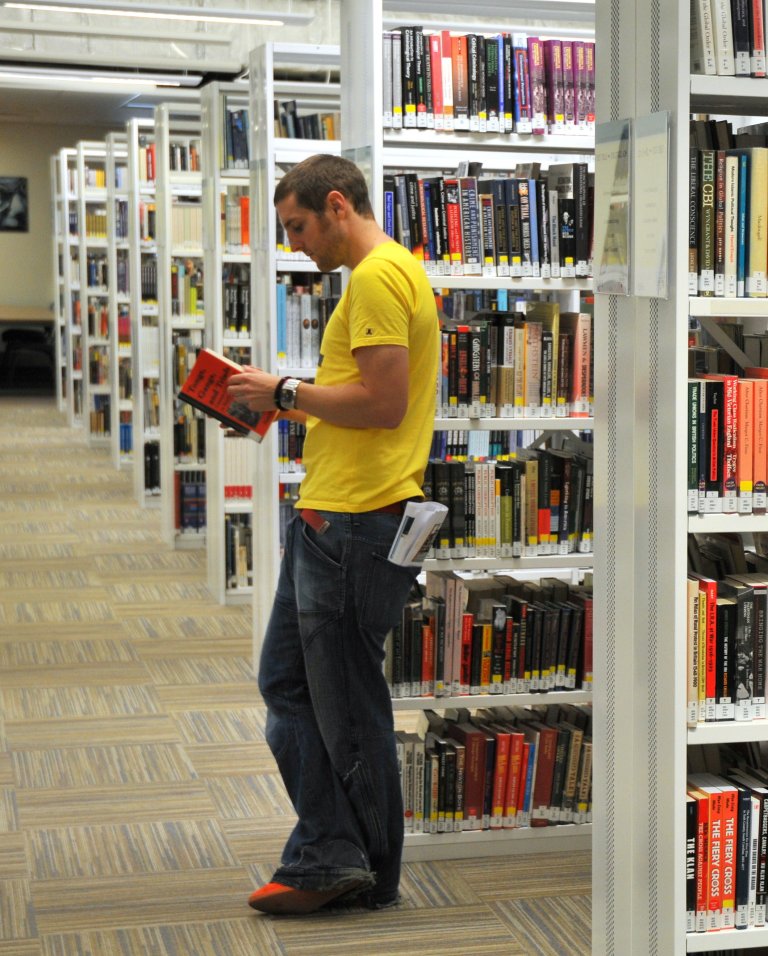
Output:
x=14 y=213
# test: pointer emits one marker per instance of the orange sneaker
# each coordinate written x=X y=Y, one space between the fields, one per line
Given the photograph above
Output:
x=280 y=900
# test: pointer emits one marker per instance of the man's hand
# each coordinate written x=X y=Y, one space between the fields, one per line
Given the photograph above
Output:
x=254 y=388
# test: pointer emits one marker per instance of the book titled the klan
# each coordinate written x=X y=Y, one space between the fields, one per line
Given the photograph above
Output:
x=206 y=389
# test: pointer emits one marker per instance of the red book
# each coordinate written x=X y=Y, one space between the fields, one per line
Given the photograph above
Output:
x=206 y=389
x=515 y=769
x=245 y=224
x=428 y=659
x=467 y=622
x=474 y=770
x=453 y=221
x=546 y=751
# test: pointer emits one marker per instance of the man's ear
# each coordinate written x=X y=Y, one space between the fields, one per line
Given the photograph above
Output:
x=336 y=202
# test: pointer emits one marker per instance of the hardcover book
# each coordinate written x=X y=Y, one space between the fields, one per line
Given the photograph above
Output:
x=205 y=388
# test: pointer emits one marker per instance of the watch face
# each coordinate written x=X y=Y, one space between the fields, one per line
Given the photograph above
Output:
x=288 y=394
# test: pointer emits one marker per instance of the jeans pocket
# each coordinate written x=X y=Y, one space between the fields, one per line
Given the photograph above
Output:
x=386 y=590
x=320 y=573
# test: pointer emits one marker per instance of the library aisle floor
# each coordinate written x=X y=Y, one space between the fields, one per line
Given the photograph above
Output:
x=138 y=801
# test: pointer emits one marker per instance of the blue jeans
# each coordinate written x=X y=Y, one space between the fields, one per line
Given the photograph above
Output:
x=329 y=711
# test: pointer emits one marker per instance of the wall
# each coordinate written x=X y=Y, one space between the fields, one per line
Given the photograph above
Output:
x=26 y=258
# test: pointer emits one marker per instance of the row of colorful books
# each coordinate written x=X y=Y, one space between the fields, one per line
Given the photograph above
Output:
x=290 y=445
x=497 y=769
x=727 y=247
x=534 y=223
x=187 y=290
x=728 y=38
x=238 y=551
x=190 y=502
x=99 y=416
x=507 y=82
x=304 y=305
x=184 y=155
x=478 y=444
x=491 y=635
x=236 y=301
x=235 y=223
x=538 y=503
x=728 y=443
x=188 y=436
x=235 y=140
x=536 y=362
x=727 y=640
x=292 y=124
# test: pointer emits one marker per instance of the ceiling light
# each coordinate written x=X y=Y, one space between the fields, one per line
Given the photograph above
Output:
x=124 y=8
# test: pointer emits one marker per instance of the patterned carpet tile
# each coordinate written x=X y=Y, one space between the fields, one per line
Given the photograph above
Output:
x=456 y=931
x=213 y=624
x=139 y=595
x=31 y=632
x=220 y=726
x=173 y=563
x=7 y=773
x=127 y=849
x=47 y=579
x=74 y=675
x=66 y=906
x=90 y=608
x=218 y=760
x=495 y=877
x=43 y=653
x=21 y=947
x=93 y=731
x=13 y=858
x=236 y=937
x=9 y=818
x=83 y=767
x=200 y=671
x=17 y=915
x=250 y=797
x=50 y=703
x=259 y=842
x=549 y=926
x=217 y=696
x=126 y=803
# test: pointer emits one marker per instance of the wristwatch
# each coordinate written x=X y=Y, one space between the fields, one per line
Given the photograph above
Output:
x=285 y=394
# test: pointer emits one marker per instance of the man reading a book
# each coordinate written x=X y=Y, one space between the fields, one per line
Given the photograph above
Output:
x=369 y=417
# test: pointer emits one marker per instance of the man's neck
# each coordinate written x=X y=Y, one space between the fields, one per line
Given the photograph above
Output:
x=366 y=238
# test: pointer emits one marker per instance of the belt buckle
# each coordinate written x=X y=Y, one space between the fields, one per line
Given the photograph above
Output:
x=315 y=520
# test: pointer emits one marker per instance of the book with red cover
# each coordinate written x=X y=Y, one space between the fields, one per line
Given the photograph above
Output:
x=205 y=388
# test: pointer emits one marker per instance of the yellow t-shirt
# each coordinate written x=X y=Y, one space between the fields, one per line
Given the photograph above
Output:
x=388 y=301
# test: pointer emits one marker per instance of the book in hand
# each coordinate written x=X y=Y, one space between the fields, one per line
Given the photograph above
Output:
x=418 y=529
x=205 y=388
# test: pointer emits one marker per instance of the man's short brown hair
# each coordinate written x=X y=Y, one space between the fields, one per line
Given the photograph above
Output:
x=311 y=180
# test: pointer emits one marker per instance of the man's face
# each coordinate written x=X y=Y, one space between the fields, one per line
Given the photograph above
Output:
x=315 y=234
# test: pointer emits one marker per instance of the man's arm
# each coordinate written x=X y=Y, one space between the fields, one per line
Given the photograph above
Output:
x=378 y=400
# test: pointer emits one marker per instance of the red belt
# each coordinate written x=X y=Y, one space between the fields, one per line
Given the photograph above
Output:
x=320 y=524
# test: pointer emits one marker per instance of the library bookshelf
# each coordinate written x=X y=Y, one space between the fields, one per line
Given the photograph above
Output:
x=226 y=223
x=181 y=322
x=270 y=156
x=71 y=305
x=94 y=279
x=379 y=151
x=642 y=522
x=120 y=375
x=62 y=259
x=144 y=313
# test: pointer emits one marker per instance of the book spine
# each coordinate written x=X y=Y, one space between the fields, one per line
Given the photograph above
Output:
x=707 y=225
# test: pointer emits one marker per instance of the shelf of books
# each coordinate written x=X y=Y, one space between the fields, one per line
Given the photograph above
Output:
x=94 y=279
x=492 y=193
x=61 y=260
x=227 y=266
x=680 y=477
x=291 y=118
x=119 y=301
x=181 y=319
x=143 y=310
x=69 y=221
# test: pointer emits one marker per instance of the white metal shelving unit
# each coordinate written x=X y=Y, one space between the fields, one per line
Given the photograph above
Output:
x=224 y=265
x=120 y=377
x=376 y=150
x=92 y=214
x=270 y=154
x=69 y=249
x=178 y=125
x=145 y=341
x=60 y=230
x=641 y=522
